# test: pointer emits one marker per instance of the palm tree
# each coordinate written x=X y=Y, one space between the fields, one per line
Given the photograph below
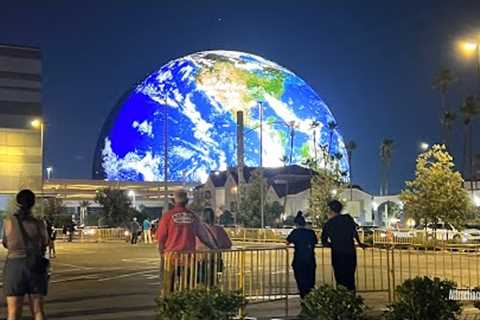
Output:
x=386 y=150
x=469 y=109
x=332 y=125
x=314 y=125
x=448 y=120
x=442 y=82
x=351 y=146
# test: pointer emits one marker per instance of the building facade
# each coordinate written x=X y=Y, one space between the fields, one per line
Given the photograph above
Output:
x=21 y=150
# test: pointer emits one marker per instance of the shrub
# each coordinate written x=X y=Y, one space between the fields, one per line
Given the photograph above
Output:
x=198 y=304
x=329 y=303
x=425 y=299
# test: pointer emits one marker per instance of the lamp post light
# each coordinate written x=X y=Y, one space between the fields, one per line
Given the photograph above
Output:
x=424 y=146
x=38 y=124
x=262 y=196
x=472 y=48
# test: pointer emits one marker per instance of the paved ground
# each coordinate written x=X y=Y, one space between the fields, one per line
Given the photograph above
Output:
x=119 y=281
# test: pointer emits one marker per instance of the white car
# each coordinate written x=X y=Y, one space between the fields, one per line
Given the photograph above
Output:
x=446 y=231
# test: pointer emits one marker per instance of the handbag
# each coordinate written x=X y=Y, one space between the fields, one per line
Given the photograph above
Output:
x=36 y=261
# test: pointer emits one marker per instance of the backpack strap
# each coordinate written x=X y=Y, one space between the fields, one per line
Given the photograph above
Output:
x=27 y=241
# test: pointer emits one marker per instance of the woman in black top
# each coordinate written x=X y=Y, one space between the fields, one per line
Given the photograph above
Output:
x=25 y=271
x=304 y=265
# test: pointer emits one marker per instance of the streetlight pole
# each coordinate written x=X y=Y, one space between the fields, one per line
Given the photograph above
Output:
x=262 y=196
x=165 y=156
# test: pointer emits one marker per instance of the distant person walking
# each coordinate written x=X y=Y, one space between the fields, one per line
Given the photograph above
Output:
x=177 y=230
x=304 y=265
x=134 y=230
x=69 y=230
x=338 y=233
x=52 y=236
x=26 y=269
x=147 y=232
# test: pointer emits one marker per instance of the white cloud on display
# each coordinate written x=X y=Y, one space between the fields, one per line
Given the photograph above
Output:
x=144 y=128
x=148 y=165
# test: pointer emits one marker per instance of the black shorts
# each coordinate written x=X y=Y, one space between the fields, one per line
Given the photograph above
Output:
x=18 y=280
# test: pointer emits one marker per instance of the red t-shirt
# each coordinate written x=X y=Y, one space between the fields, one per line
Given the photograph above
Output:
x=178 y=228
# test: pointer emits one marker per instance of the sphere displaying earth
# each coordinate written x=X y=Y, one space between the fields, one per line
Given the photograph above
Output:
x=201 y=94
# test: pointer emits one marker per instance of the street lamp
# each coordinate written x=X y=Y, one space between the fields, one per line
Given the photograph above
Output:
x=131 y=194
x=470 y=48
x=424 y=146
x=38 y=124
x=262 y=196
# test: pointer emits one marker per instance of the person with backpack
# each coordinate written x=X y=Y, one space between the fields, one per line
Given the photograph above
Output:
x=304 y=265
x=26 y=268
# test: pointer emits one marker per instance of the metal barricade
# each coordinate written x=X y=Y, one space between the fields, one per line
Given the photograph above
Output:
x=259 y=274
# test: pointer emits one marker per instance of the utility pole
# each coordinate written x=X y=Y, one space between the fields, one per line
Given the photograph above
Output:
x=262 y=196
x=165 y=155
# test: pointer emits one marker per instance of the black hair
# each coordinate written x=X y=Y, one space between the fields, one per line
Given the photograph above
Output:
x=299 y=219
x=25 y=200
x=336 y=206
x=209 y=215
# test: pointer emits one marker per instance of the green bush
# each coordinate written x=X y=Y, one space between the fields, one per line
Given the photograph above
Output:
x=424 y=299
x=199 y=304
x=329 y=303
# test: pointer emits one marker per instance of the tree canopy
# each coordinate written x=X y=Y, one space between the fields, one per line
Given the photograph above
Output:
x=116 y=207
x=436 y=193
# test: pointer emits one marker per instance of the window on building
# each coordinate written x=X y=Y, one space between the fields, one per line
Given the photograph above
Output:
x=208 y=194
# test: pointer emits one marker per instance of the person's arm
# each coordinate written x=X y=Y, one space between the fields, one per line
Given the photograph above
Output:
x=315 y=239
x=325 y=238
x=43 y=234
x=356 y=236
x=162 y=233
x=6 y=225
x=203 y=234
x=290 y=238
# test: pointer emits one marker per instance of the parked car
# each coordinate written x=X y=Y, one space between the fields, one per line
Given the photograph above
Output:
x=447 y=231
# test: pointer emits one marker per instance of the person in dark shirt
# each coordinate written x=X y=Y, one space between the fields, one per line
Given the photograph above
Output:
x=338 y=234
x=304 y=265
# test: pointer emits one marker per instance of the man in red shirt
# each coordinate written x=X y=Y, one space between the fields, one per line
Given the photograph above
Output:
x=177 y=233
x=179 y=227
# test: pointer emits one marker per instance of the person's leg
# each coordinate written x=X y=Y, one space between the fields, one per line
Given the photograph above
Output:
x=145 y=236
x=310 y=278
x=299 y=278
x=37 y=307
x=149 y=235
x=14 y=308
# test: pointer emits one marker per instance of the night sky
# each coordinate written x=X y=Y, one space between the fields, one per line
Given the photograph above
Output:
x=372 y=62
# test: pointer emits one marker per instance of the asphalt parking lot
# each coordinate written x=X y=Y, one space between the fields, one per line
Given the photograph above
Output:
x=102 y=281
x=114 y=280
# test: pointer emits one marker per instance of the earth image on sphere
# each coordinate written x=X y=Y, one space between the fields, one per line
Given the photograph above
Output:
x=201 y=94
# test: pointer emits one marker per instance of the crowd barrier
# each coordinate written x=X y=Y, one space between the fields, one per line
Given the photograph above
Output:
x=266 y=235
x=265 y=274
x=95 y=235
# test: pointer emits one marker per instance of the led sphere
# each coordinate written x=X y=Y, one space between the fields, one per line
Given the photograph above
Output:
x=197 y=97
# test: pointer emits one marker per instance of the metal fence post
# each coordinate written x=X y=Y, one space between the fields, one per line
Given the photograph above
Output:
x=242 y=281
x=287 y=280
x=389 y=277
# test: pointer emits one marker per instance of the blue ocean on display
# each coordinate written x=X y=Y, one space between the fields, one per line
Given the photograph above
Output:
x=201 y=94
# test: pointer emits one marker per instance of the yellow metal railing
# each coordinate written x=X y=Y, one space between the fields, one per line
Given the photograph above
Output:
x=259 y=274
x=96 y=235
